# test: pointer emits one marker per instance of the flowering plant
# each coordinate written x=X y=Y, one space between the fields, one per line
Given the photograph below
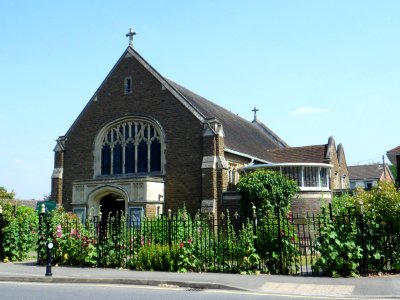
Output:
x=187 y=260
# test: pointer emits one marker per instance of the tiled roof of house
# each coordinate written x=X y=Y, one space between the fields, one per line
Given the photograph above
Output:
x=374 y=171
x=30 y=203
x=391 y=154
x=240 y=135
x=307 y=154
x=395 y=150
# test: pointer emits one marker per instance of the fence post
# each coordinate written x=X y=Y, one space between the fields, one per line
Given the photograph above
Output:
x=279 y=241
x=1 y=235
x=169 y=228
x=41 y=232
x=100 y=236
x=254 y=226
x=364 y=266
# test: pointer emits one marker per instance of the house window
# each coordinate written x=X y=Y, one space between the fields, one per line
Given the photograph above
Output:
x=127 y=85
x=131 y=147
x=310 y=177
x=159 y=210
x=324 y=177
x=293 y=173
x=135 y=216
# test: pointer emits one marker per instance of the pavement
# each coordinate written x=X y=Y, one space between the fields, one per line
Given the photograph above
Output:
x=383 y=287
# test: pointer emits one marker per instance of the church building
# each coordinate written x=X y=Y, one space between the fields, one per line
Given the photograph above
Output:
x=144 y=144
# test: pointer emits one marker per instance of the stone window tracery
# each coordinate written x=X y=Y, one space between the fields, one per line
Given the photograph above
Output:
x=233 y=177
x=130 y=147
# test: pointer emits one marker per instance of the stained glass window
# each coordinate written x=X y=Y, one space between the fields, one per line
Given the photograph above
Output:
x=155 y=155
x=142 y=157
x=117 y=159
x=131 y=147
x=105 y=160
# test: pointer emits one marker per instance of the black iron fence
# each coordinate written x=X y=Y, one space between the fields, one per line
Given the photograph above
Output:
x=308 y=244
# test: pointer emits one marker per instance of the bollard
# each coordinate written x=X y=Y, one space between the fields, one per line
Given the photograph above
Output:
x=49 y=246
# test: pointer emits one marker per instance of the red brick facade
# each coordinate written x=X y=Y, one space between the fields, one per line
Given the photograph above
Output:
x=185 y=181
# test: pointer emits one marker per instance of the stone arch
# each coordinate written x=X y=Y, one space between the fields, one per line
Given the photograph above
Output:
x=98 y=194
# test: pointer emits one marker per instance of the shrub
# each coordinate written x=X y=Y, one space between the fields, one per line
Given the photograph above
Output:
x=19 y=231
x=337 y=244
x=267 y=190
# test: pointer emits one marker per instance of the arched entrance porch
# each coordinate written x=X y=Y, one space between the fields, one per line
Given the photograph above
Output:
x=112 y=206
x=108 y=200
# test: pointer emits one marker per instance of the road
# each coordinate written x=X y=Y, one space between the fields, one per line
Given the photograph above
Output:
x=47 y=291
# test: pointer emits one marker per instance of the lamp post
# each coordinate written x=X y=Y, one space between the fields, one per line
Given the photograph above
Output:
x=41 y=232
x=49 y=246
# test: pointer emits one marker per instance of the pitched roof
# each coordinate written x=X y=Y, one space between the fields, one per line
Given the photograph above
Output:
x=240 y=135
x=391 y=154
x=374 y=171
x=306 y=154
x=395 y=150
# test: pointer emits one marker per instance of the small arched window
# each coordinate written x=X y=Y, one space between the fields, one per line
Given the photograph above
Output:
x=129 y=147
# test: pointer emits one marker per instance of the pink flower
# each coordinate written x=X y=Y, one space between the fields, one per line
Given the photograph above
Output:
x=73 y=231
x=190 y=241
x=181 y=245
x=142 y=240
x=59 y=231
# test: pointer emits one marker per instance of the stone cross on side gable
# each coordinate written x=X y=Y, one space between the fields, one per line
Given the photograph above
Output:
x=255 y=113
x=131 y=33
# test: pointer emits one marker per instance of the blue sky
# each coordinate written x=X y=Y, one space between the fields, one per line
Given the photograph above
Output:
x=313 y=68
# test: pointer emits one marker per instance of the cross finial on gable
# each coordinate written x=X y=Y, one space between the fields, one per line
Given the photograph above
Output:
x=255 y=113
x=131 y=33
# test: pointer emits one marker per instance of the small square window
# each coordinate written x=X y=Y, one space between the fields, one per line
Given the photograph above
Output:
x=135 y=216
x=128 y=85
x=80 y=212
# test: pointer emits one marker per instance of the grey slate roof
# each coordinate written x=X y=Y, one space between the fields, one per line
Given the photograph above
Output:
x=240 y=135
x=362 y=172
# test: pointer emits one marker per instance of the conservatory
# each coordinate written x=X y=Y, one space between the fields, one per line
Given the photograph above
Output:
x=313 y=179
x=309 y=176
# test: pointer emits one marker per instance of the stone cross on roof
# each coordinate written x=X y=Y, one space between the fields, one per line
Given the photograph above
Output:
x=255 y=113
x=131 y=33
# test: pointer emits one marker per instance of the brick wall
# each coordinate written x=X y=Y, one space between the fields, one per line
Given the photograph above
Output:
x=184 y=145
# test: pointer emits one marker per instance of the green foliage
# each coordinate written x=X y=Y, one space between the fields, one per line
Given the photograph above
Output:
x=278 y=246
x=382 y=203
x=73 y=243
x=393 y=169
x=375 y=231
x=187 y=258
x=267 y=190
x=341 y=204
x=4 y=194
x=337 y=244
x=154 y=257
x=20 y=224
x=249 y=259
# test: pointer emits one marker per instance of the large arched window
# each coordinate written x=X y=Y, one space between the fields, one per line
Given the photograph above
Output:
x=130 y=146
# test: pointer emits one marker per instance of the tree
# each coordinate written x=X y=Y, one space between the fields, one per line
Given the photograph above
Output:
x=4 y=194
x=267 y=190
